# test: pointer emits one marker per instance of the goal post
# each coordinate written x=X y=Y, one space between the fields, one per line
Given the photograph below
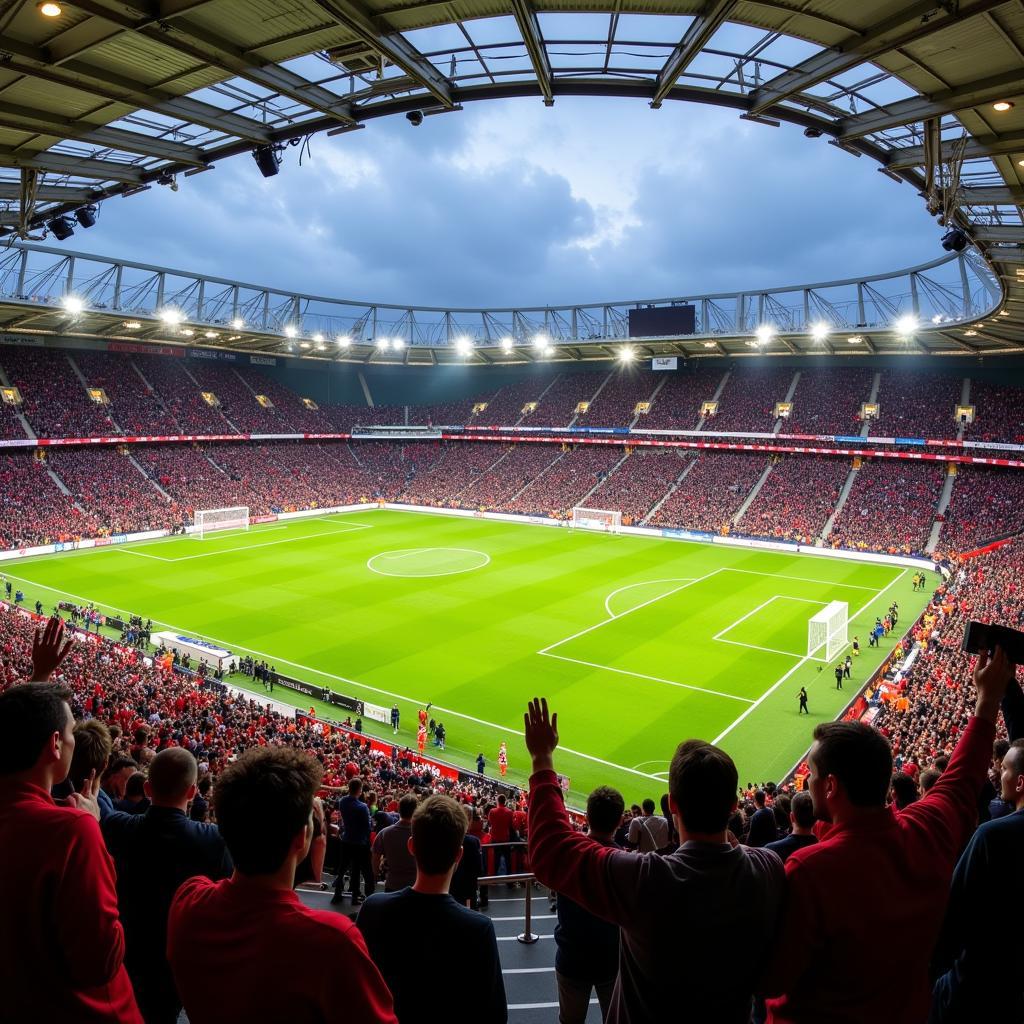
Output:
x=827 y=632
x=209 y=520
x=609 y=520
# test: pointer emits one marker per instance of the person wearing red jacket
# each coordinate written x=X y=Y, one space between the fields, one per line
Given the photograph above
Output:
x=61 y=941
x=221 y=935
x=876 y=873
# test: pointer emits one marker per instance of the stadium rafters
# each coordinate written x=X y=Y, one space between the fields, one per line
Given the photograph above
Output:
x=115 y=96
x=45 y=290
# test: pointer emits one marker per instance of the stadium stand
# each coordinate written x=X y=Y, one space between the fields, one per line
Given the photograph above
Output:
x=677 y=404
x=566 y=483
x=288 y=406
x=521 y=464
x=891 y=507
x=238 y=404
x=748 y=400
x=828 y=400
x=134 y=406
x=55 y=401
x=35 y=510
x=638 y=484
x=712 y=492
x=986 y=505
x=917 y=405
x=796 y=499
x=998 y=413
x=182 y=395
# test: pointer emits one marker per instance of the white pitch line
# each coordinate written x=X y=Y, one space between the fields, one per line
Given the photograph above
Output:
x=644 y=604
x=764 y=696
x=758 y=647
x=227 y=644
x=654 y=679
x=803 y=579
x=742 y=618
x=643 y=583
x=252 y=547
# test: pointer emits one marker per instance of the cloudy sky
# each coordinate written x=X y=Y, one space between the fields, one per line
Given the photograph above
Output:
x=512 y=203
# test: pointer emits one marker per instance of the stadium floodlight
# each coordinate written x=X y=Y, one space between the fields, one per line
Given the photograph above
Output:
x=710 y=344
x=819 y=332
x=237 y=323
x=854 y=339
x=463 y=345
x=72 y=304
x=318 y=337
x=937 y=319
x=209 y=334
x=86 y=215
x=906 y=325
x=132 y=325
x=48 y=9
x=61 y=228
x=187 y=331
x=764 y=334
x=382 y=344
x=343 y=341
x=290 y=330
x=540 y=341
x=627 y=354
x=171 y=317
x=398 y=343
x=548 y=351
x=506 y=344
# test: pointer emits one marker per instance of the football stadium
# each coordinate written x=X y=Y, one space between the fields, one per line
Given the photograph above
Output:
x=533 y=661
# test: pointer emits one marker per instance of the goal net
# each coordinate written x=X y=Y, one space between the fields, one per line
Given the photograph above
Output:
x=597 y=519
x=208 y=520
x=827 y=632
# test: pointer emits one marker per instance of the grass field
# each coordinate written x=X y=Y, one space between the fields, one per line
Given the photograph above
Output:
x=638 y=643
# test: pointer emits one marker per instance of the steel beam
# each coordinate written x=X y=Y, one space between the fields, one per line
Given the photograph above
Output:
x=392 y=45
x=921 y=108
x=696 y=36
x=977 y=148
x=910 y=25
x=529 y=28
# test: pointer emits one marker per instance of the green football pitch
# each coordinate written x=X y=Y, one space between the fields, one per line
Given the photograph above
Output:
x=637 y=643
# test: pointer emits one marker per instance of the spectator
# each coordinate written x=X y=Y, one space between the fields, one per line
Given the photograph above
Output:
x=135 y=800
x=154 y=853
x=465 y=881
x=850 y=772
x=801 y=817
x=904 y=790
x=649 y=832
x=115 y=779
x=499 y=827
x=587 y=947
x=394 y=925
x=391 y=847
x=355 y=845
x=981 y=961
x=60 y=936
x=200 y=809
x=687 y=918
x=222 y=935
x=762 y=829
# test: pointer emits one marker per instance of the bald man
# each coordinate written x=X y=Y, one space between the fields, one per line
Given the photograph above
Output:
x=980 y=948
x=154 y=853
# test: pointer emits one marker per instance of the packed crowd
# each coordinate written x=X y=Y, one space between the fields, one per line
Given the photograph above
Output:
x=828 y=400
x=677 y=404
x=712 y=492
x=796 y=499
x=891 y=507
x=749 y=398
x=640 y=482
x=986 y=505
x=238 y=402
x=54 y=400
x=134 y=406
x=998 y=413
x=288 y=406
x=33 y=510
x=112 y=489
x=181 y=395
x=617 y=400
x=567 y=482
x=916 y=405
x=521 y=464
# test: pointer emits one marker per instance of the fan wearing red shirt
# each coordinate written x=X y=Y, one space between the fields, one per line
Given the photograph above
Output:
x=61 y=941
x=903 y=861
x=221 y=934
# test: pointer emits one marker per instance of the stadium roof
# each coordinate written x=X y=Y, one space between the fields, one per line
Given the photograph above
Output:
x=113 y=96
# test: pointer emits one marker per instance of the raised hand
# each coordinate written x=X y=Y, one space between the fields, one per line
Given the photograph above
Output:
x=541 y=732
x=88 y=798
x=47 y=650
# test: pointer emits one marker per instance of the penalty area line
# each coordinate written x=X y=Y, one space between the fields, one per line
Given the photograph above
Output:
x=507 y=730
x=803 y=661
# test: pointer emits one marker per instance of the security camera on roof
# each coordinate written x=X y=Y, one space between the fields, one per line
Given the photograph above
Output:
x=415 y=118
